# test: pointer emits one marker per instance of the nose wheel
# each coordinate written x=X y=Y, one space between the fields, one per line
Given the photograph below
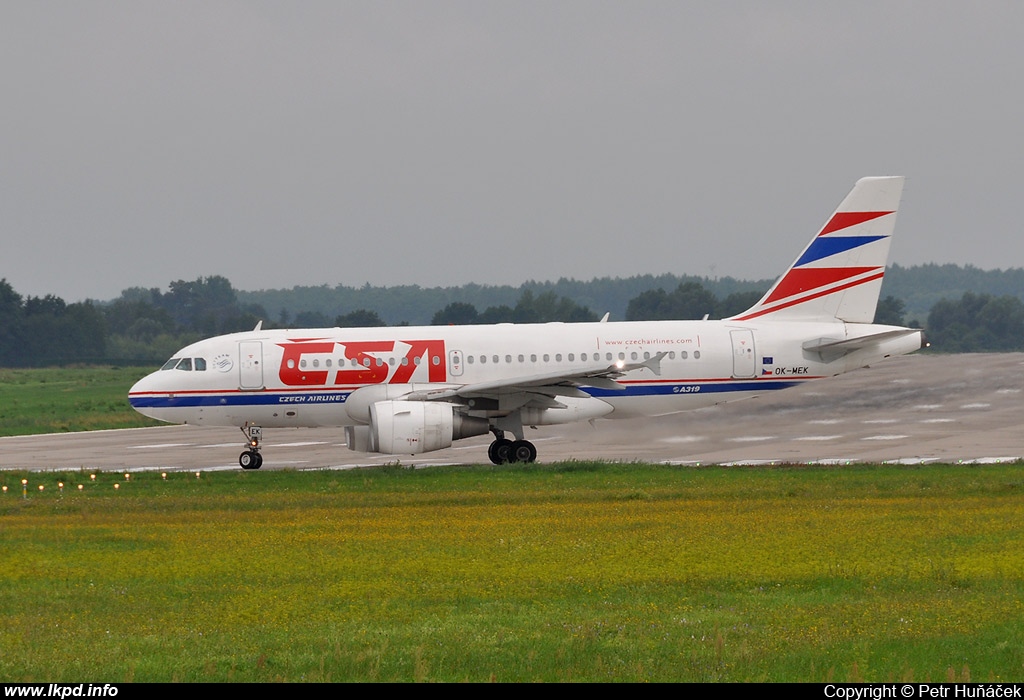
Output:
x=251 y=458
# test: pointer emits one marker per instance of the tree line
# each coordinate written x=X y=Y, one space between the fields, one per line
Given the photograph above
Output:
x=146 y=326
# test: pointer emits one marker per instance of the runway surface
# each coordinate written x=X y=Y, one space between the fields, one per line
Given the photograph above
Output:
x=915 y=409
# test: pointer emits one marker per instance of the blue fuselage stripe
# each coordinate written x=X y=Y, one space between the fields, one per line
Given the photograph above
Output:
x=270 y=398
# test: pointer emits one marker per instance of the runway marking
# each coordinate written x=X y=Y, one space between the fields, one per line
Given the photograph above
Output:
x=297 y=444
x=223 y=444
x=751 y=463
x=880 y=420
x=927 y=406
x=752 y=438
x=886 y=437
x=976 y=405
x=1007 y=391
x=158 y=447
x=910 y=461
x=989 y=460
x=825 y=421
x=939 y=420
x=682 y=439
x=819 y=437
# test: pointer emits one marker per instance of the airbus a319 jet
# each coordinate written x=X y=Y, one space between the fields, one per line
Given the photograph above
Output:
x=411 y=390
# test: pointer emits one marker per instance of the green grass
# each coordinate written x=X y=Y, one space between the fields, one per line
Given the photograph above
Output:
x=35 y=401
x=568 y=572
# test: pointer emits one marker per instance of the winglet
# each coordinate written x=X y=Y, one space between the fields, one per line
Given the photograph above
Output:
x=652 y=363
x=839 y=273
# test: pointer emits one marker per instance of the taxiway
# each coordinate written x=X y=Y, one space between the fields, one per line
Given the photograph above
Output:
x=913 y=409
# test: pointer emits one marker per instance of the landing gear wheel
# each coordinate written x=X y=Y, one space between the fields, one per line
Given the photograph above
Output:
x=250 y=460
x=500 y=451
x=522 y=451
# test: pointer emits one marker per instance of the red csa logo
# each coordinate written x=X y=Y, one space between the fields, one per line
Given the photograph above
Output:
x=308 y=362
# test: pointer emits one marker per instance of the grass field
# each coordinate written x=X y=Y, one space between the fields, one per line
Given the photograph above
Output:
x=569 y=572
x=36 y=401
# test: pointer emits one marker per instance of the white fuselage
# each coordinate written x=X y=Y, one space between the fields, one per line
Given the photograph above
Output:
x=279 y=378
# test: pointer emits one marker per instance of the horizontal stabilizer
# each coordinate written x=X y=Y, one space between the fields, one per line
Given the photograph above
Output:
x=831 y=348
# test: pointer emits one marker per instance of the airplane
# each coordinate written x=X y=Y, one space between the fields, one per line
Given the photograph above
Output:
x=412 y=390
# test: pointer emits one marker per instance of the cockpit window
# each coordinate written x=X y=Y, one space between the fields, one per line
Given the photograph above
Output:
x=186 y=364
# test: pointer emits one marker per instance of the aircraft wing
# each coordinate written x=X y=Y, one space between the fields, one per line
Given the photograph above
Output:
x=565 y=383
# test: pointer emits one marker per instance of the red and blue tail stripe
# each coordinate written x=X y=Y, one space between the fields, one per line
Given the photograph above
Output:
x=839 y=274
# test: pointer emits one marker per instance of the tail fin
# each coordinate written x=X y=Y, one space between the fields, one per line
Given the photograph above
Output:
x=839 y=274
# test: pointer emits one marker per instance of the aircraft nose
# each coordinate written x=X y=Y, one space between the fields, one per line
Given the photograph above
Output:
x=140 y=396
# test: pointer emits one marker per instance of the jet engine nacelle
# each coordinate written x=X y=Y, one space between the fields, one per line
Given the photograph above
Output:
x=412 y=427
x=358 y=403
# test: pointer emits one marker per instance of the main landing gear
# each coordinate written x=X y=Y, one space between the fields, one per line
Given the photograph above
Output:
x=251 y=458
x=504 y=451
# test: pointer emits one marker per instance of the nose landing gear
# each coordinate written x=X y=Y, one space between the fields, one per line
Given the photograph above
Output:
x=251 y=458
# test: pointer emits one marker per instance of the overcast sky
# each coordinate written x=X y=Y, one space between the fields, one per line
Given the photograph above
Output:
x=439 y=143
